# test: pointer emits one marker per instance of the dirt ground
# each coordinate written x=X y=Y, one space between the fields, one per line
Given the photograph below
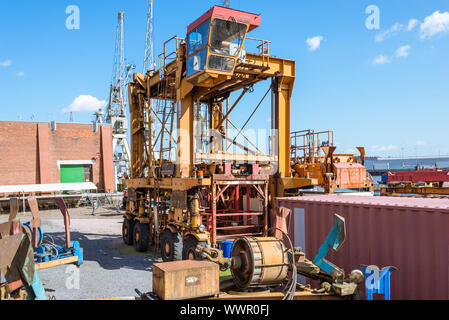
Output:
x=111 y=269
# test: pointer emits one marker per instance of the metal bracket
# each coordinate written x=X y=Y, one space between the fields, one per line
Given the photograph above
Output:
x=334 y=241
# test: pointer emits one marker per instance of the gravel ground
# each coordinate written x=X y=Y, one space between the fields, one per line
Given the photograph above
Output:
x=110 y=269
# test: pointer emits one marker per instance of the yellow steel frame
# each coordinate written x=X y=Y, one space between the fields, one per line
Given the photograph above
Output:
x=170 y=84
x=257 y=68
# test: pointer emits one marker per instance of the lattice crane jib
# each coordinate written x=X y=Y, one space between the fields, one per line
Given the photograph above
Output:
x=148 y=60
x=116 y=114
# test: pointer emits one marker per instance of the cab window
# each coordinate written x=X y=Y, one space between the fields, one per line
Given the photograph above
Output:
x=227 y=37
x=198 y=38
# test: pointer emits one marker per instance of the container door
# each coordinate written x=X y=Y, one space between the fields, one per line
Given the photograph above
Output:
x=300 y=235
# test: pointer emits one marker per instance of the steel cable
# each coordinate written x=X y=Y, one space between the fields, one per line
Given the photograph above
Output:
x=291 y=285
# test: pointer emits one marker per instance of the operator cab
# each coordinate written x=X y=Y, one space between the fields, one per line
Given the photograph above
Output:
x=215 y=42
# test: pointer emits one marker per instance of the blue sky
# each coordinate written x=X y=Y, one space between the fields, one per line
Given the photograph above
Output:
x=390 y=96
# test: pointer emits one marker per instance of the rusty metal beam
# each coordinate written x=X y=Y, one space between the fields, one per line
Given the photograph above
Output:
x=65 y=213
x=13 y=209
x=36 y=221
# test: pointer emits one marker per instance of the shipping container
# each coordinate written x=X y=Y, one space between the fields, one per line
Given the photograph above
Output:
x=411 y=234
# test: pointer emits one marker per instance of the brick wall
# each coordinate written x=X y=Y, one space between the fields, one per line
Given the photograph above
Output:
x=29 y=152
x=18 y=153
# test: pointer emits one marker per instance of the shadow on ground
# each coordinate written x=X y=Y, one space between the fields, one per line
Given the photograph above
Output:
x=108 y=251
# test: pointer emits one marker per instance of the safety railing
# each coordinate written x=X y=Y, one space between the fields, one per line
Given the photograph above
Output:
x=263 y=47
x=168 y=55
x=306 y=145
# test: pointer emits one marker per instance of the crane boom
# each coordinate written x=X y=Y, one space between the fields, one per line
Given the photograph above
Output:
x=116 y=110
x=148 y=60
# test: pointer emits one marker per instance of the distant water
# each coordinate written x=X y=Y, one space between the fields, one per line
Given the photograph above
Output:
x=386 y=164
x=389 y=164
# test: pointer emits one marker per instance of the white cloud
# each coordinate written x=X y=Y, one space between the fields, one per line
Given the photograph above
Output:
x=434 y=24
x=351 y=151
x=381 y=59
x=385 y=34
x=412 y=24
x=5 y=63
x=421 y=143
x=383 y=148
x=403 y=52
x=20 y=74
x=314 y=43
x=85 y=103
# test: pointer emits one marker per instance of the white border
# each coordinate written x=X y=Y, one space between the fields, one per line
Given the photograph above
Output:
x=74 y=162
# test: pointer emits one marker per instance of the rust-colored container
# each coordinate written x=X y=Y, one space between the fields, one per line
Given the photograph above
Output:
x=188 y=279
x=411 y=234
x=351 y=175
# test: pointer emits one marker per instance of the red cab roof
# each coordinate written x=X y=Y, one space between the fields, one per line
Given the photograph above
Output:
x=226 y=13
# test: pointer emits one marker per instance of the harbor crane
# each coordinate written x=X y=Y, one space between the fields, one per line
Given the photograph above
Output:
x=116 y=109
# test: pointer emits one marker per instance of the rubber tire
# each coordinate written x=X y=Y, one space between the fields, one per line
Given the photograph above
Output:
x=175 y=242
x=129 y=225
x=124 y=200
x=190 y=244
x=141 y=231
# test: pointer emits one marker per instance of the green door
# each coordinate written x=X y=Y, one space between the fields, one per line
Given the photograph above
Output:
x=72 y=173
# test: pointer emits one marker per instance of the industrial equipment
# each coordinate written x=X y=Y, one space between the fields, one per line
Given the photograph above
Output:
x=377 y=281
x=419 y=182
x=313 y=156
x=47 y=254
x=265 y=261
x=18 y=276
x=259 y=261
x=260 y=266
x=191 y=182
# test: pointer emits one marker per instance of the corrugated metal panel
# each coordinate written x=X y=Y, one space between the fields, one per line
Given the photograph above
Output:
x=408 y=233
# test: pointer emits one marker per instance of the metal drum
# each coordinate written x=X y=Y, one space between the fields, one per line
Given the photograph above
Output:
x=259 y=261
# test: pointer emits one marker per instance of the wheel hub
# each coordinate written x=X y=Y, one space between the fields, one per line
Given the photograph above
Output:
x=167 y=248
x=191 y=255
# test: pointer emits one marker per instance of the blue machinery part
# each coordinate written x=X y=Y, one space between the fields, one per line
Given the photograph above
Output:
x=36 y=289
x=226 y=247
x=50 y=252
x=334 y=240
x=377 y=282
x=47 y=254
x=29 y=230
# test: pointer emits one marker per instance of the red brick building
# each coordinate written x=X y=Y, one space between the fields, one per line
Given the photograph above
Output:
x=42 y=153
